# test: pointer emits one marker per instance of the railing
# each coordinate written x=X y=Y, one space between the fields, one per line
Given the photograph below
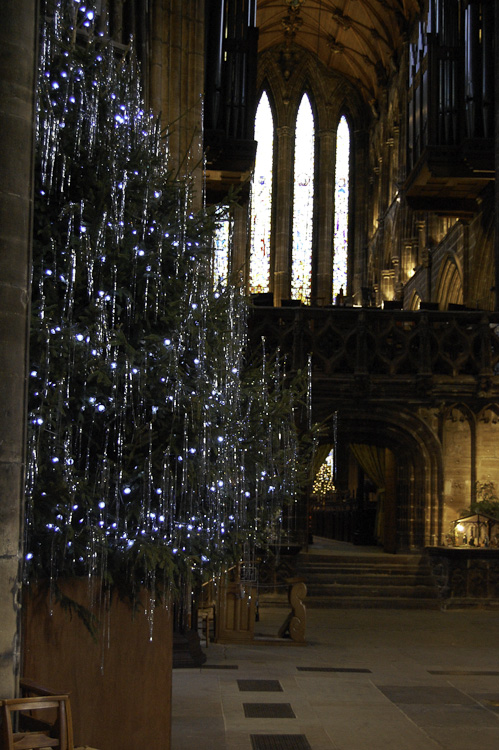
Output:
x=379 y=344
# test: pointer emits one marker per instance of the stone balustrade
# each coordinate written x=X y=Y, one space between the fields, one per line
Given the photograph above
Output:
x=386 y=353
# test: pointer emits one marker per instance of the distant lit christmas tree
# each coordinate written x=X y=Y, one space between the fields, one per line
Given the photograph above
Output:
x=324 y=479
x=151 y=455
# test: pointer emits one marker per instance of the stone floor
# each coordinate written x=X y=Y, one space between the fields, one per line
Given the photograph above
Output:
x=367 y=679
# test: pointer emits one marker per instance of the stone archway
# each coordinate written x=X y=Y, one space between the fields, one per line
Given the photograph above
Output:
x=415 y=301
x=415 y=497
x=450 y=284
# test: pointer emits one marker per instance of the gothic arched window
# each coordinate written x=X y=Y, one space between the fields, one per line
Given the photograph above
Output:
x=220 y=256
x=261 y=199
x=283 y=262
x=303 y=202
x=341 y=202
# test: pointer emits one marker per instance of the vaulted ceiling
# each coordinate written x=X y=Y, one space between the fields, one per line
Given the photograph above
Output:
x=361 y=39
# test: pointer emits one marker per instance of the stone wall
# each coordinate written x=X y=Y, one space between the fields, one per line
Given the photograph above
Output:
x=457 y=462
x=176 y=80
x=469 y=439
x=17 y=68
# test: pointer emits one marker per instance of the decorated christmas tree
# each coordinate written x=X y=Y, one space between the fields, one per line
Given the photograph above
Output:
x=153 y=450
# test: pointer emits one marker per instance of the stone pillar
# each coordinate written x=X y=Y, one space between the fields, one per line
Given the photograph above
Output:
x=496 y=142
x=176 y=78
x=283 y=214
x=361 y=218
x=408 y=263
x=379 y=254
x=421 y=230
x=466 y=263
x=387 y=284
x=394 y=531
x=239 y=260
x=380 y=206
x=18 y=29
x=325 y=222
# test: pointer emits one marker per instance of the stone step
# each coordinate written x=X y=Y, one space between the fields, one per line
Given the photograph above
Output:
x=372 y=560
x=367 y=580
x=353 y=602
x=367 y=602
x=360 y=570
x=361 y=589
x=370 y=579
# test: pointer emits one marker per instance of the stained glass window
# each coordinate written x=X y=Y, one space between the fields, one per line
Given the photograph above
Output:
x=261 y=199
x=221 y=254
x=303 y=203
x=341 y=191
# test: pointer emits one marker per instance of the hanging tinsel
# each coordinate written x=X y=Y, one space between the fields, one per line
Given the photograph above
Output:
x=150 y=455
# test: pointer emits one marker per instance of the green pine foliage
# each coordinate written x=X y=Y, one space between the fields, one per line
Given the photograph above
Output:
x=153 y=451
x=487 y=501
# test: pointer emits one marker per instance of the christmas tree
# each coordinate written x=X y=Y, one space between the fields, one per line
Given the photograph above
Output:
x=153 y=450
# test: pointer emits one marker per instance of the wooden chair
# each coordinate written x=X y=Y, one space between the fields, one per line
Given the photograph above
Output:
x=206 y=611
x=42 y=721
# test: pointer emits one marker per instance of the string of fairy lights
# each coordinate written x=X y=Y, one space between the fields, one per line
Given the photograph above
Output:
x=150 y=456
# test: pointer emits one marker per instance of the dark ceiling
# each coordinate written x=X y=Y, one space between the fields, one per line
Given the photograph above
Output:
x=361 y=39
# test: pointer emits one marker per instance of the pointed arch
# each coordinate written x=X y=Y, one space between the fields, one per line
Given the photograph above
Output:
x=458 y=428
x=418 y=467
x=341 y=207
x=450 y=284
x=261 y=198
x=415 y=301
x=481 y=282
x=330 y=96
x=489 y=414
x=303 y=201
x=221 y=252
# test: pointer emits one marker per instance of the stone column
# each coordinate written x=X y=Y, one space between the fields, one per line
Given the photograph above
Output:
x=408 y=263
x=496 y=143
x=176 y=76
x=325 y=219
x=466 y=264
x=18 y=30
x=421 y=232
x=283 y=214
x=360 y=217
x=387 y=284
x=379 y=257
x=239 y=260
x=395 y=531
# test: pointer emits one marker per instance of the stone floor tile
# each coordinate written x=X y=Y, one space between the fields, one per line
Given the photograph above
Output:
x=375 y=728
x=344 y=692
x=451 y=716
x=347 y=710
x=422 y=694
x=460 y=738
x=206 y=733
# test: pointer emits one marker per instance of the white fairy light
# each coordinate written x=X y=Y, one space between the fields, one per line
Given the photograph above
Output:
x=130 y=410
